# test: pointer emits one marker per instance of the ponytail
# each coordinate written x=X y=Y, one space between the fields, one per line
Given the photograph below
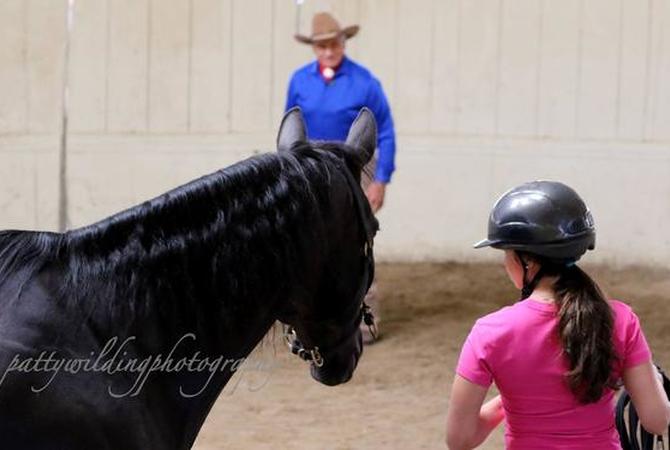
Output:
x=585 y=326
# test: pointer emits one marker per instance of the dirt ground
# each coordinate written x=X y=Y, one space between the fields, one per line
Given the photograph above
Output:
x=398 y=396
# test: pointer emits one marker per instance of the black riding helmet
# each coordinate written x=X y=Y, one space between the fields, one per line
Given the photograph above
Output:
x=544 y=218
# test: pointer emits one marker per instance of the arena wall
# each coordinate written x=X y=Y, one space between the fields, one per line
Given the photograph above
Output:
x=485 y=94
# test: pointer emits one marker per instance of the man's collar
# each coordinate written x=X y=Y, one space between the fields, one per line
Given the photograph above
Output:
x=345 y=67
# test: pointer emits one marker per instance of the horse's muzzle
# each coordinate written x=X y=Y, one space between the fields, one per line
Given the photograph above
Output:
x=339 y=365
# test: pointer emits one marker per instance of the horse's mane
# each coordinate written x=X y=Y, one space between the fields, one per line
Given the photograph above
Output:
x=24 y=253
x=248 y=222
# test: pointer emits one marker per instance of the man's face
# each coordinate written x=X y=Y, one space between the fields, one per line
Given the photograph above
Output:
x=329 y=53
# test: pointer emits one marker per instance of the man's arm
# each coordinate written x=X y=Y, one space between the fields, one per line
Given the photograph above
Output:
x=379 y=106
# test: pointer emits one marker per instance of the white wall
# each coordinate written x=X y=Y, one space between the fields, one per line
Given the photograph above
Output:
x=485 y=93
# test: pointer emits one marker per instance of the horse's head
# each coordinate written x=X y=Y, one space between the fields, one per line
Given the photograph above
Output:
x=324 y=323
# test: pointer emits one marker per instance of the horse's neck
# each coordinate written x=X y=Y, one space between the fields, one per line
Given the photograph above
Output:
x=209 y=272
x=191 y=410
x=187 y=397
x=227 y=319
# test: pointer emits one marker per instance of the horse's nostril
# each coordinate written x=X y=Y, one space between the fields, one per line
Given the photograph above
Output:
x=338 y=371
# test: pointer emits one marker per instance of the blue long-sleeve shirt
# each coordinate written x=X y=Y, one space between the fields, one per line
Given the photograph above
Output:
x=330 y=108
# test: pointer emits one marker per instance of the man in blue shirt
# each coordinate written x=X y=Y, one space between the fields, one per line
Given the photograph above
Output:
x=332 y=90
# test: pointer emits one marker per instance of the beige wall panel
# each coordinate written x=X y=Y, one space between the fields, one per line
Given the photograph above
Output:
x=201 y=164
x=46 y=44
x=633 y=69
x=288 y=55
x=169 y=48
x=151 y=175
x=13 y=81
x=29 y=182
x=414 y=68
x=519 y=58
x=478 y=66
x=655 y=52
x=128 y=65
x=538 y=163
x=210 y=66
x=629 y=221
x=660 y=127
x=29 y=185
x=456 y=198
x=252 y=66
x=112 y=173
x=377 y=42
x=559 y=67
x=145 y=176
x=18 y=201
x=88 y=66
x=629 y=218
x=47 y=183
x=445 y=62
x=98 y=187
x=598 y=83
x=307 y=11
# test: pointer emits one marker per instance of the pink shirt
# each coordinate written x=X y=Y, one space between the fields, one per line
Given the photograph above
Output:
x=517 y=347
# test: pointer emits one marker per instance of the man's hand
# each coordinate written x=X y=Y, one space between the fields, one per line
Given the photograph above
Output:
x=375 y=194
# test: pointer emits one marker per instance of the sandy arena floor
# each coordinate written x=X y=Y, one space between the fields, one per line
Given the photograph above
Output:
x=398 y=396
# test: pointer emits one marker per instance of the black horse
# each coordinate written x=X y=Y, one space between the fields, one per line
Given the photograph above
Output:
x=121 y=335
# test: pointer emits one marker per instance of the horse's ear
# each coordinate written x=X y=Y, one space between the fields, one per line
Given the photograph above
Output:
x=363 y=133
x=291 y=130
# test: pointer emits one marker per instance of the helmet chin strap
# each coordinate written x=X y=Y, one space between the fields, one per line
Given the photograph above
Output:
x=528 y=286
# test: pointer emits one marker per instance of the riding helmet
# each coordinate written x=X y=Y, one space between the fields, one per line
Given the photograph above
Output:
x=545 y=218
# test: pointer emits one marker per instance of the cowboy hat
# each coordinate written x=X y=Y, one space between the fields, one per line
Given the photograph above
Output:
x=324 y=27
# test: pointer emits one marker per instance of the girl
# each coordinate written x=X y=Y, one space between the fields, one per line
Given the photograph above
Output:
x=557 y=355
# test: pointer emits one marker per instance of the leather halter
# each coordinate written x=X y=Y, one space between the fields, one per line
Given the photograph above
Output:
x=315 y=355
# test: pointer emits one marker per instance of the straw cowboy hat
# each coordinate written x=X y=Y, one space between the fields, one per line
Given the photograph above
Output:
x=324 y=27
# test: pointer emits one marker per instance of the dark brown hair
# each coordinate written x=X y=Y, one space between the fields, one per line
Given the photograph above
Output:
x=585 y=327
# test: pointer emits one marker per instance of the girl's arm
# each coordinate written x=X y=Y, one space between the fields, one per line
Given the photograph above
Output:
x=650 y=401
x=469 y=419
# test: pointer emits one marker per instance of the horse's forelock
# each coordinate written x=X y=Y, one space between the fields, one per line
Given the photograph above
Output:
x=355 y=159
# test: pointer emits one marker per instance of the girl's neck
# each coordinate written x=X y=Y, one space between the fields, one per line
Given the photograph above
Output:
x=544 y=291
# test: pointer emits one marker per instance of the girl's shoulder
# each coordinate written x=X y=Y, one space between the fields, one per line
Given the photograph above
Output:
x=497 y=316
x=498 y=323
x=622 y=312
x=518 y=310
x=628 y=337
x=624 y=318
